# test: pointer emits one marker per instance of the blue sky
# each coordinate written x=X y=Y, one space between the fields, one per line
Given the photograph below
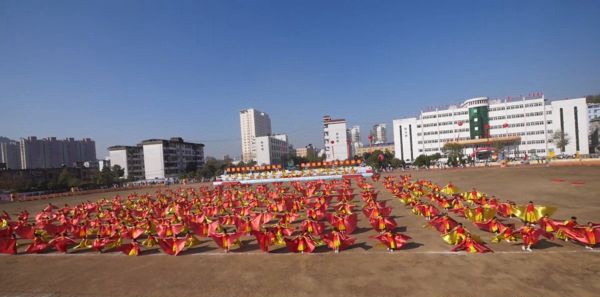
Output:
x=123 y=71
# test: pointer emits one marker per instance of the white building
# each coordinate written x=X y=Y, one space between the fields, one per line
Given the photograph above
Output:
x=253 y=123
x=379 y=134
x=336 y=139
x=171 y=158
x=593 y=111
x=272 y=149
x=157 y=158
x=355 y=138
x=528 y=124
x=130 y=159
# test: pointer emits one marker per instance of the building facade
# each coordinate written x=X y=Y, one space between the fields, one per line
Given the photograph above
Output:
x=272 y=150
x=529 y=123
x=308 y=151
x=384 y=147
x=593 y=111
x=158 y=158
x=171 y=158
x=379 y=133
x=10 y=155
x=336 y=139
x=130 y=159
x=53 y=153
x=355 y=139
x=253 y=123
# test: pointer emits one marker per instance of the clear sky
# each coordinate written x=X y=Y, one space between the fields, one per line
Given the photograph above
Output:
x=123 y=71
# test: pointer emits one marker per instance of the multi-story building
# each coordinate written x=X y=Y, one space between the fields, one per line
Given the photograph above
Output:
x=10 y=155
x=171 y=158
x=594 y=138
x=253 y=123
x=158 y=158
x=355 y=139
x=130 y=159
x=384 y=147
x=272 y=149
x=379 y=134
x=307 y=152
x=525 y=126
x=336 y=138
x=53 y=153
x=593 y=111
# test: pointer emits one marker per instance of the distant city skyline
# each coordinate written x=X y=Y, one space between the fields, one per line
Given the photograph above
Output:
x=118 y=72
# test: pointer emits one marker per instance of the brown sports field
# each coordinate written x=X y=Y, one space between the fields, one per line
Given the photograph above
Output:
x=424 y=268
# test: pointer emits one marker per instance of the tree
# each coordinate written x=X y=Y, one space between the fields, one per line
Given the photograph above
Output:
x=454 y=153
x=117 y=171
x=452 y=150
x=422 y=161
x=593 y=98
x=378 y=159
x=561 y=140
x=397 y=163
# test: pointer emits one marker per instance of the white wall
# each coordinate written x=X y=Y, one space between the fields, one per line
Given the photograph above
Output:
x=402 y=139
x=338 y=150
x=263 y=150
x=154 y=165
x=568 y=107
x=119 y=157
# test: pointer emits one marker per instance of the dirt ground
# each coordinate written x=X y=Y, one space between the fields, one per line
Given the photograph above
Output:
x=423 y=268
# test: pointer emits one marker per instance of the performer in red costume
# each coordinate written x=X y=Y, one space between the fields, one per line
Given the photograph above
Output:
x=471 y=245
x=587 y=235
x=442 y=223
x=265 y=239
x=8 y=245
x=301 y=243
x=382 y=224
x=172 y=246
x=343 y=223
x=392 y=240
x=493 y=226
x=531 y=235
x=62 y=243
x=226 y=240
x=338 y=241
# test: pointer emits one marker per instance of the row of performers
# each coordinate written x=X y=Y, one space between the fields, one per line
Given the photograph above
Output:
x=289 y=173
x=481 y=211
x=172 y=234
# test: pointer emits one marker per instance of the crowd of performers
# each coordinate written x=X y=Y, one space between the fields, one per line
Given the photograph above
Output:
x=299 y=216
x=487 y=214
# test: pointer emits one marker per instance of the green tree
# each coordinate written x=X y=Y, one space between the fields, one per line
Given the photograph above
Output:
x=561 y=140
x=453 y=150
x=422 y=161
x=117 y=171
x=593 y=98
x=397 y=163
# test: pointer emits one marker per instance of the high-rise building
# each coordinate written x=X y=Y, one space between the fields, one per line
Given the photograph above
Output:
x=272 y=149
x=53 y=153
x=10 y=155
x=336 y=138
x=253 y=123
x=524 y=126
x=379 y=134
